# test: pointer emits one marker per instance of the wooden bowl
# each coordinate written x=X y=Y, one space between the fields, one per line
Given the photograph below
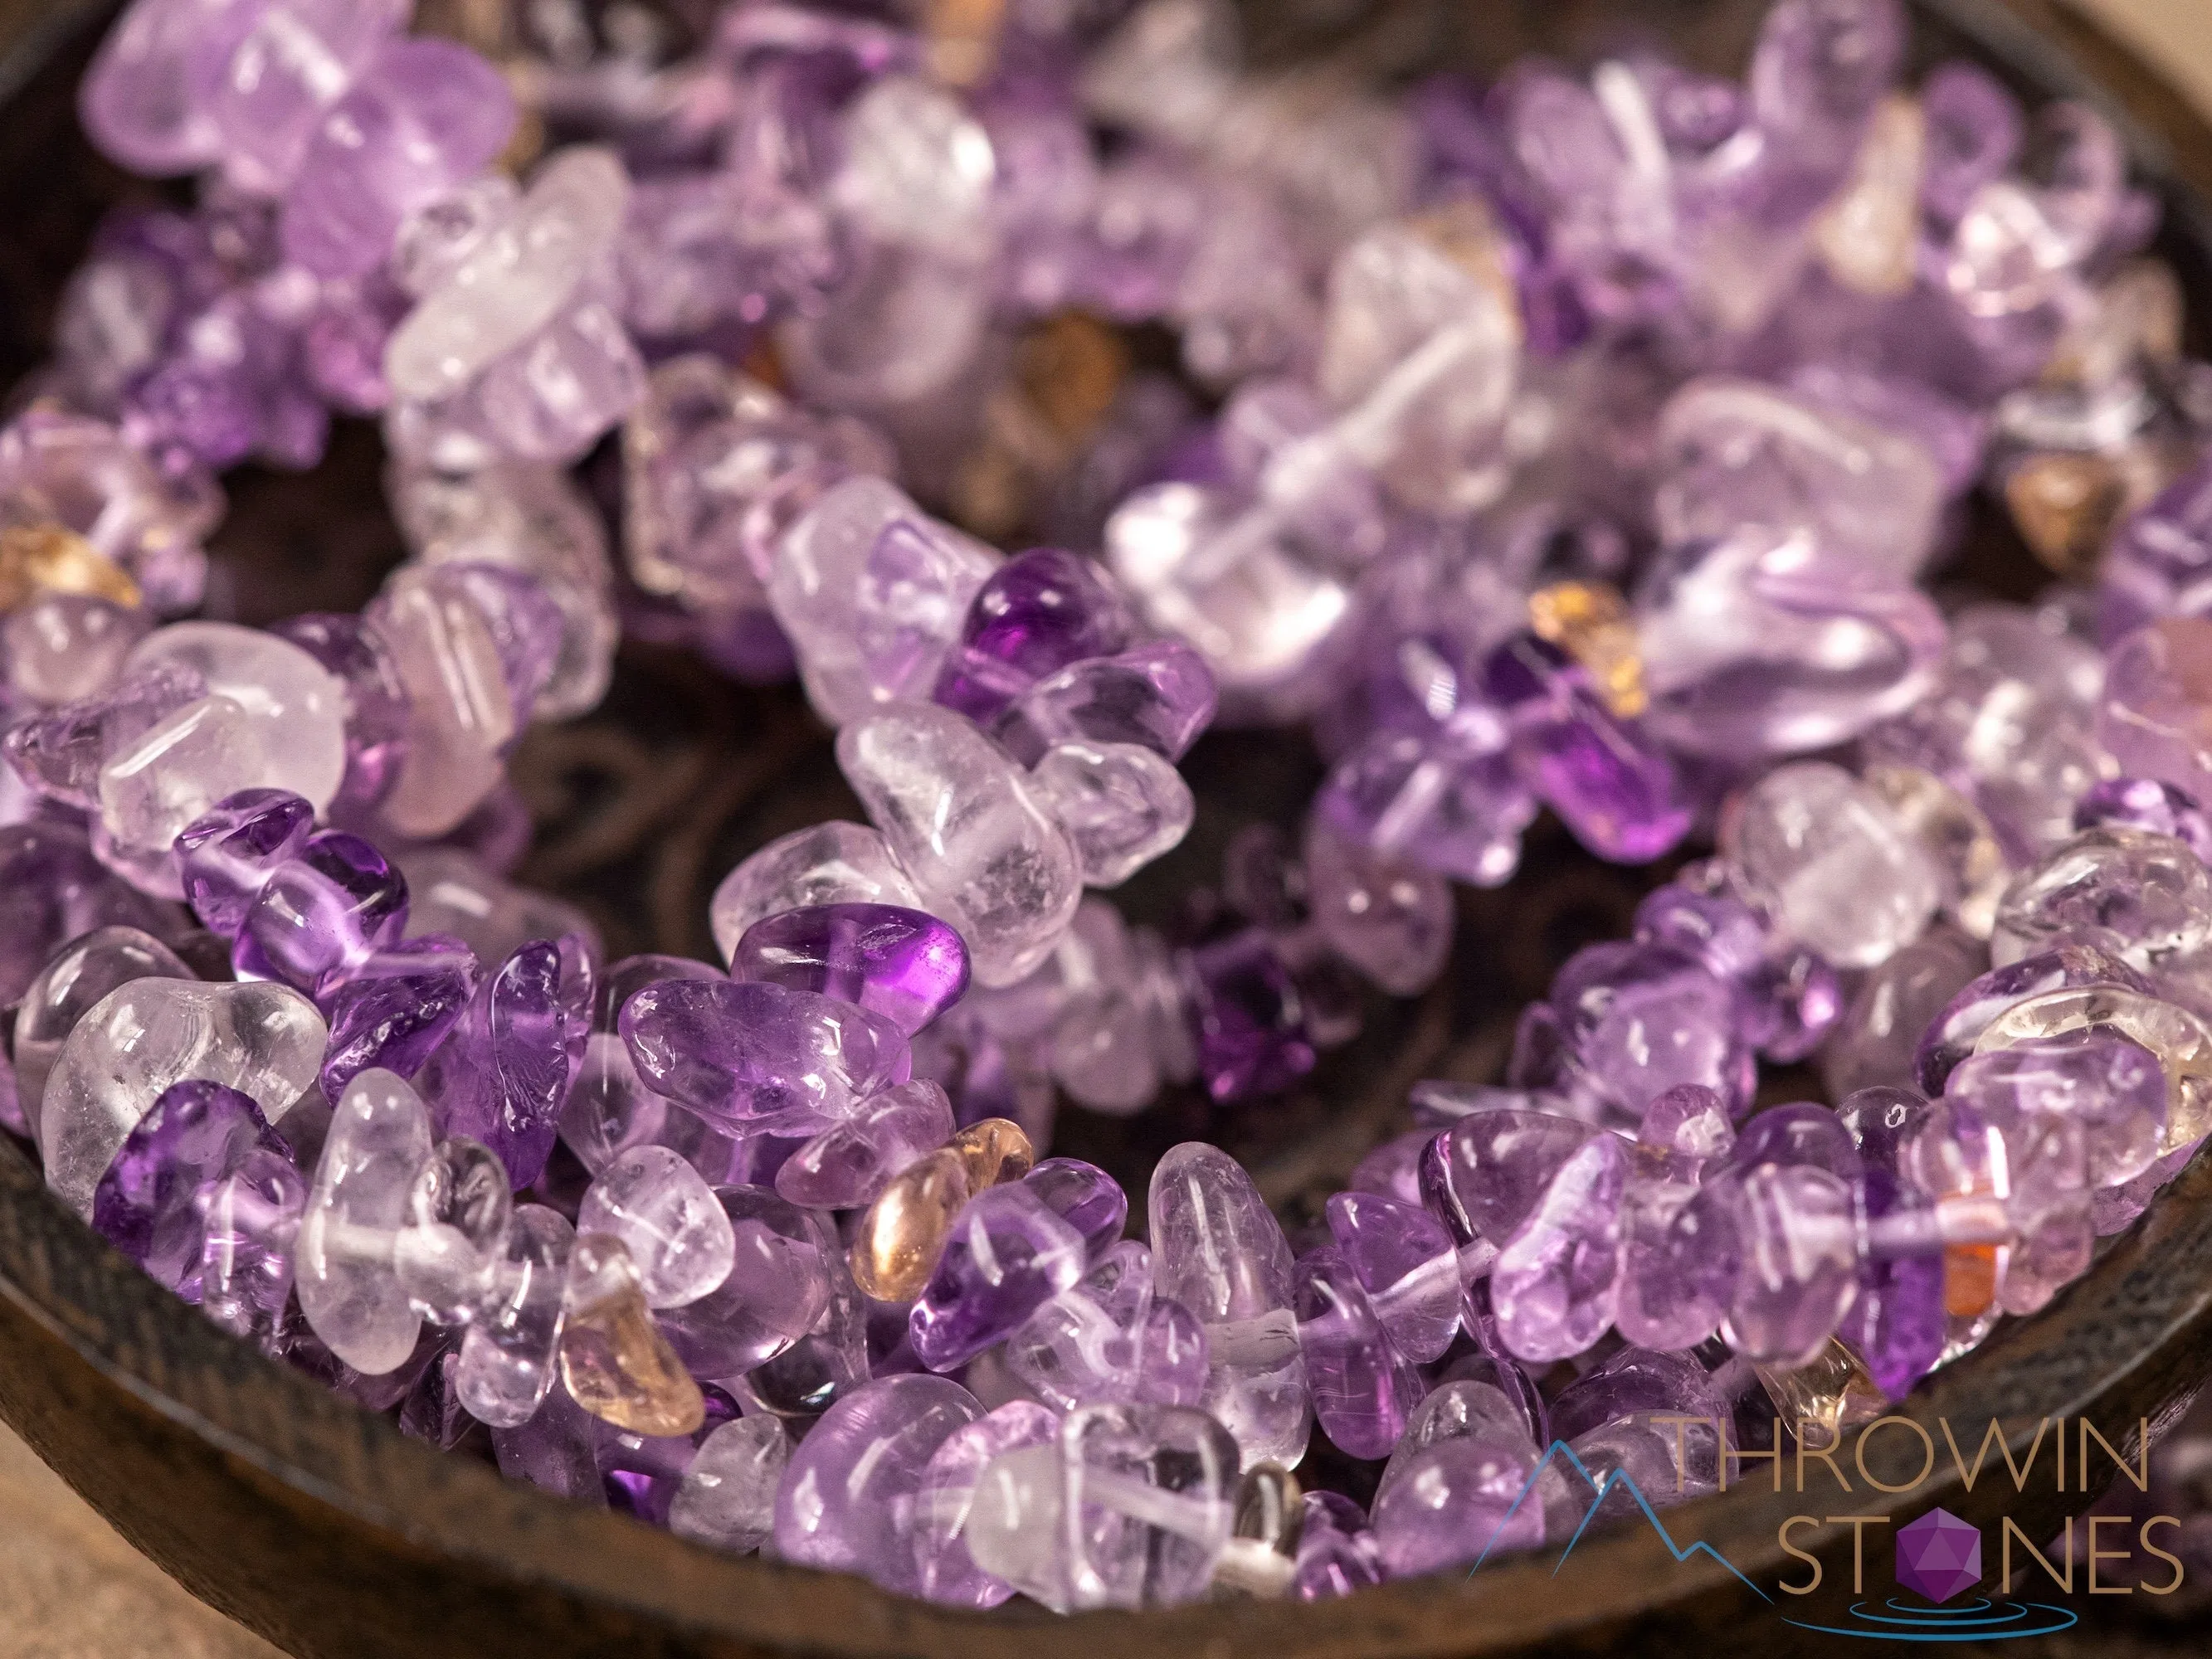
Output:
x=324 y=1529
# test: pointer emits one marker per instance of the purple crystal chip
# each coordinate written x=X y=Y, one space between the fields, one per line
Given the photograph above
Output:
x=903 y=964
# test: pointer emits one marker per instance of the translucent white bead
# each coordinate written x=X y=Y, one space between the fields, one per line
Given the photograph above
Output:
x=663 y=1210
x=461 y=713
x=832 y=863
x=873 y=593
x=1827 y=859
x=961 y=822
x=174 y=772
x=507 y=1361
x=263 y=1040
x=529 y=517
x=513 y=280
x=1218 y=1250
x=1123 y=805
x=727 y=1498
x=917 y=168
x=379 y=1142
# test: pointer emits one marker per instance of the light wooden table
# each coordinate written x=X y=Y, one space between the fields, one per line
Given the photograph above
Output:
x=70 y=1588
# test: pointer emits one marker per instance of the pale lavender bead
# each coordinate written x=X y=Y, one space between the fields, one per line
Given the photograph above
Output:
x=66 y=988
x=60 y=753
x=1802 y=1133
x=147 y=1205
x=1361 y=1386
x=1689 y=1126
x=740 y=1054
x=948 y=1572
x=848 y=1497
x=1485 y=1175
x=2159 y=561
x=1639 y=1020
x=1173 y=1357
x=424 y=115
x=321 y=915
x=1679 y=1259
x=264 y=74
x=873 y=593
x=903 y=964
x=63 y=648
x=1337 y=1553
x=850 y=1162
x=1082 y=1195
x=226 y=856
x=1389 y=917
x=658 y=1206
x=1557 y=1282
x=1636 y=1385
x=1217 y=1251
x=1159 y=696
x=1008 y=1254
x=1830 y=863
x=396 y=1007
x=727 y=1497
x=1087 y=1343
x=2110 y=1091
x=1482 y=1399
x=1456 y=806
x=1404 y=1259
x=1953 y=1034
x=1799 y=1267
x=249 y=1229
x=1879 y=1035
x=500 y=1077
x=2149 y=804
x=51 y=890
x=1454 y=1503
x=971 y=831
x=784 y=1276
x=2146 y=898
x=609 y=1110
x=136 y=101
x=1753 y=645
x=507 y=1358
x=379 y=1142
x=1392 y=1170
x=1975 y=129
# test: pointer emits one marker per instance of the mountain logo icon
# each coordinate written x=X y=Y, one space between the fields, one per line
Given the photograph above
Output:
x=1602 y=1488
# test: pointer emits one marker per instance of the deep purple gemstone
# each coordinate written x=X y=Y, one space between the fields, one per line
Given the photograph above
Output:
x=1036 y=615
x=503 y=1075
x=195 y=1135
x=1251 y=1020
x=903 y=964
x=1082 y=1195
x=1008 y=1254
x=1606 y=778
x=397 y=1007
x=1898 y=1323
x=226 y=856
x=320 y=914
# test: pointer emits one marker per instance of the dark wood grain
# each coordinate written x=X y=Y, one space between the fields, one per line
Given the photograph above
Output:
x=321 y=1527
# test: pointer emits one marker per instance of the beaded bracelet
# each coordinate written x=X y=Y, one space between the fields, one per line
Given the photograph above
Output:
x=1483 y=359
